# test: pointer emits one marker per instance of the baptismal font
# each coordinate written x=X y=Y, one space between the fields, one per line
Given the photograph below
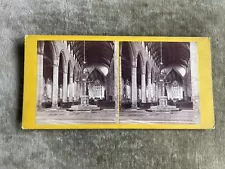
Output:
x=161 y=81
x=84 y=103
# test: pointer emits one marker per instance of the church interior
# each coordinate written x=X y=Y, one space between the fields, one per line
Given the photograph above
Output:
x=143 y=64
x=76 y=73
x=108 y=82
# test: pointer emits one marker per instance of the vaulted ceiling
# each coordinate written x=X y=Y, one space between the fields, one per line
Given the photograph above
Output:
x=173 y=53
x=96 y=74
x=126 y=61
x=97 y=53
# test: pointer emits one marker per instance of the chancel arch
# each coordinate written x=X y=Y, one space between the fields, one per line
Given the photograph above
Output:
x=60 y=69
x=60 y=75
x=141 y=67
x=126 y=87
x=126 y=61
x=98 y=90
x=175 y=86
x=176 y=94
x=139 y=76
x=148 y=81
x=48 y=61
x=96 y=86
x=70 y=81
x=75 y=84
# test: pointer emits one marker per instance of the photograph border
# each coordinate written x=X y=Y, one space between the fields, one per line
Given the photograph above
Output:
x=204 y=72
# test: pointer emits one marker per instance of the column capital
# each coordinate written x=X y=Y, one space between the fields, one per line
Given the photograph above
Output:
x=65 y=69
x=71 y=75
x=40 y=47
x=149 y=75
x=55 y=63
x=134 y=66
x=55 y=85
x=40 y=52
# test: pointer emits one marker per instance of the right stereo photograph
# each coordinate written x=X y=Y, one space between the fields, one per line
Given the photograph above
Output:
x=159 y=82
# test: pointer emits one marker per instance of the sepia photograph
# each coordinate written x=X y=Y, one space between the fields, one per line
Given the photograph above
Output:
x=159 y=82
x=76 y=82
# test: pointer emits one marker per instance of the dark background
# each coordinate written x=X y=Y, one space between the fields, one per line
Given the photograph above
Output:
x=155 y=149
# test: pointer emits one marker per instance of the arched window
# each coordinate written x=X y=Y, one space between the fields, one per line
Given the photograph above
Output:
x=175 y=90
x=127 y=90
x=97 y=89
x=48 y=90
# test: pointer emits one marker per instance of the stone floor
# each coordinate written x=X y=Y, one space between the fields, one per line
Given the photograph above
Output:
x=142 y=116
x=62 y=116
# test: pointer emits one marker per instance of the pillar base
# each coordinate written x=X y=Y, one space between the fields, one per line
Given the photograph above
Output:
x=54 y=106
x=84 y=106
x=65 y=104
x=163 y=106
x=134 y=106
x=39 y=105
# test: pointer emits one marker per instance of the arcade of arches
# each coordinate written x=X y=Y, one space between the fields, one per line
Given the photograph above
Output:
x=59 y=72
x=140 y=65
x=60 y=65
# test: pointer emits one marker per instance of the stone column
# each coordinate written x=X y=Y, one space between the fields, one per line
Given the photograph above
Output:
x=122 y=85
x=156 y=92
x=149 y=89
x=143 y=88
x=84 y=90
x=71 y=88
x=146 y=49
x=40 y=82
x=121 y=80
x=55 y=85
x=153 y=91
x=134 y=87
x=78 y=90
x=185 y=88
x=65 y=84
x=68 y=47
x=75 y=90
x=195 y=80
x=117 y=79
x=106 y=88
x=65 y=44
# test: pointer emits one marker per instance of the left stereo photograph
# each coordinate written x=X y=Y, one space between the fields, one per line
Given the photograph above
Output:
x=76 y=82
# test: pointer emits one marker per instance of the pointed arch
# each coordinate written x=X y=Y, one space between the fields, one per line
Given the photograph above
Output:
x=54 y=49
x=140 y=56
x=48 y=60
x=127 y=59
x=132 y=53
x=40 y=47
x=70 y=69
x=97 y=74
x=61 y=68
x=140 y=68
x=147 y=72
x=173 y=75
x=152 y=75
x=63 y=57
